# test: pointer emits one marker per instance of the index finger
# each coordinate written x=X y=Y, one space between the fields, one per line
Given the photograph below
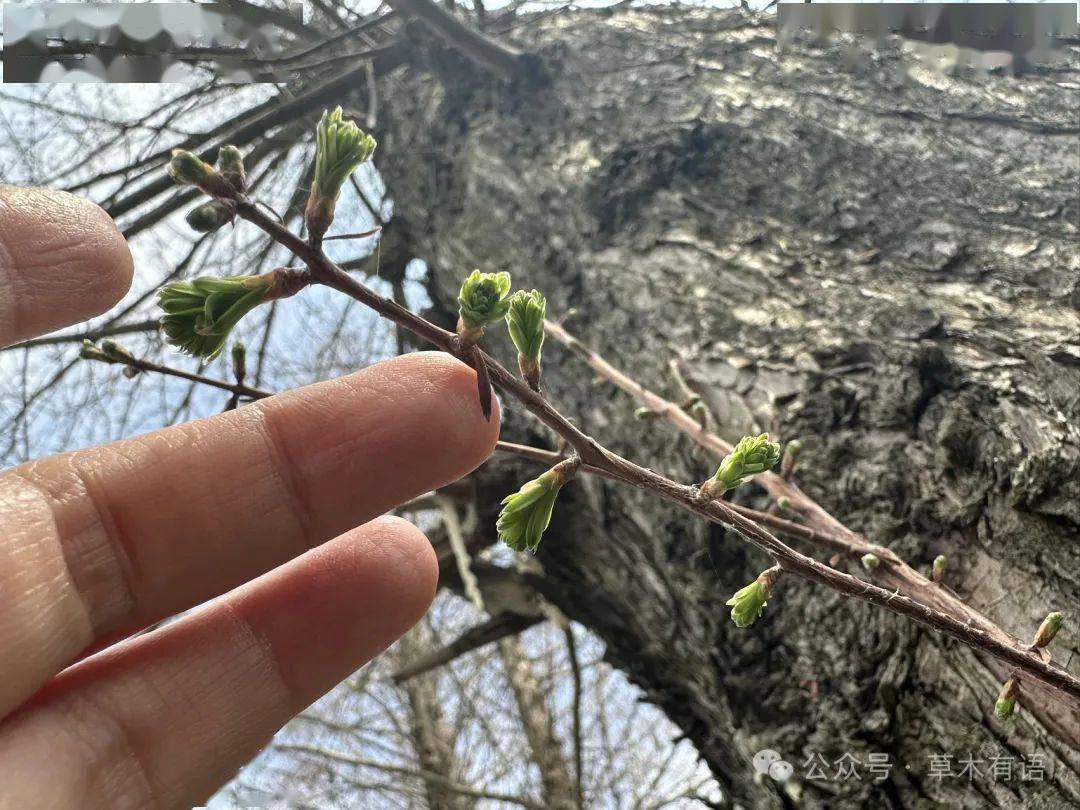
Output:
x=107 y=540
x=62 y=260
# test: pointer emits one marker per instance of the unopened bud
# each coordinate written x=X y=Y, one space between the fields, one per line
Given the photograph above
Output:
x=210 y=216
x=239 y=361
x=1005 y=705
x=1048 y=629
x=231 y=165
x=937 y=573
x=870 y=561
x=187 y=168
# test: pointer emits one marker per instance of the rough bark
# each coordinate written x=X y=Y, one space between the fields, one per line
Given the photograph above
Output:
x=852 y=250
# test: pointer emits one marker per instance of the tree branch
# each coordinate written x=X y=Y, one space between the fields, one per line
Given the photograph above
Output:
x=489 y=54
x=973 y=629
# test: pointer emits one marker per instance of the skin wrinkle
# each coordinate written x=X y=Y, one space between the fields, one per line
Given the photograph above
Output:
x=118 y=745
x=283 y=467
x=115 y=577
x=30 y=634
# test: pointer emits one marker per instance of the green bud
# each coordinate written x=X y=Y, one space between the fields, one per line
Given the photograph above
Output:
x=526 y=514
x=941 y=562
x=793 y=447
x=115 y=351
x=482 y=300
x=646 y=414
x=199 y=314
x=239 y=360
x=340 y=147
x=748 y=603
x=188 y=169
x=90 y=351
x=870 y=561
x=210 y=216
x=231 y=165
x=1048 y=629
x=751 y=456
x=783 y=503
x=1006 y=701
x=525 y=321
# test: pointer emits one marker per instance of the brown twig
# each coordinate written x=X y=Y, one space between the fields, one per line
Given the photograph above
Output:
x=894 y=572
x=236 y=389
x=973 y=629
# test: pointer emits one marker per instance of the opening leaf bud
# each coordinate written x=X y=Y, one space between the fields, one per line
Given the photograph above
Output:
x=481 y=301
x=751 y=456
x=526 y=514
x=340 y=147
x=525 y=322
x=749 y=603
x=200 y=314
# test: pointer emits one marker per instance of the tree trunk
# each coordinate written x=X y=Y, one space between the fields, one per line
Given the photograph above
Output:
x=854 y=251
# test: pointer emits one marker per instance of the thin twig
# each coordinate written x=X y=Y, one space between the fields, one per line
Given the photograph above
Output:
x=973 y=629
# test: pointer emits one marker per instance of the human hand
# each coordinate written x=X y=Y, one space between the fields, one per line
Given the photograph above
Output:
x=257 y=504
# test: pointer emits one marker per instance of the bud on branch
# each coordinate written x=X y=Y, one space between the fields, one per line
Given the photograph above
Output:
x=211 y=215
x=941 y=563
x=1006 y=701
x=481 y=301
x=340 y=147
x=748 y=603
x=188 y=169
x=1048 y=629
x=751 y=456
x=199 y=314
x=525 y=321
x=231 y=165
x=526 y=514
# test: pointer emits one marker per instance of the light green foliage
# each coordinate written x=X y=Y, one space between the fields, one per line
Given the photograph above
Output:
x=526 y=514
x=199 y=314
x=751 y=456
x=483 y=299
x=525 y=320
x=340 y=147
x=748 y=603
